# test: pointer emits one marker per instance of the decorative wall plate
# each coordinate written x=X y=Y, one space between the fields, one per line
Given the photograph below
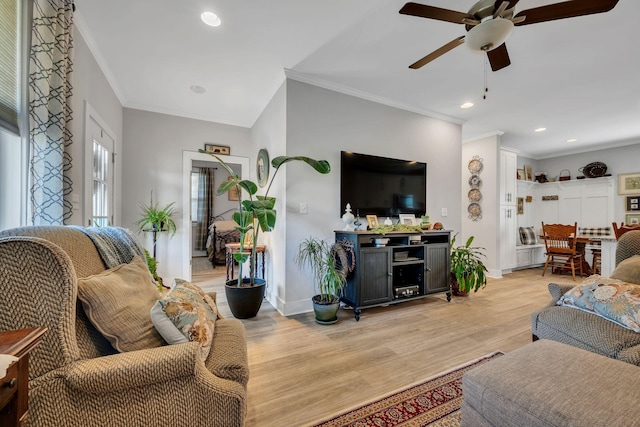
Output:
x=475 y=181
x=262 y=167
x=475 y=212
x=474 y=195
x=475 y=165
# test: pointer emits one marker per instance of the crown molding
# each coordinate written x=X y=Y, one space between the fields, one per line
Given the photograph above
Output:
x=336 y=87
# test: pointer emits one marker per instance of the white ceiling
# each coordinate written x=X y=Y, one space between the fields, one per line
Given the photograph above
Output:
x=577 y=77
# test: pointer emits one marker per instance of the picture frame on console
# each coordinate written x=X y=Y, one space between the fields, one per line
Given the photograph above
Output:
x=372 y=220
x=407 y=219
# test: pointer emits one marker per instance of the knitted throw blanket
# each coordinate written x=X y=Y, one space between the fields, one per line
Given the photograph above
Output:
x=115 y=245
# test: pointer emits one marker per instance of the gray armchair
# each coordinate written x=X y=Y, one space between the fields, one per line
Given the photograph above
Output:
x=77 y=378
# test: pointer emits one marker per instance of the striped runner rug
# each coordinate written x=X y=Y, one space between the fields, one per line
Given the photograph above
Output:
x=435 y=403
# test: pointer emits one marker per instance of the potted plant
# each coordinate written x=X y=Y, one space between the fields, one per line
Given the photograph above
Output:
x=329 y=267
x=468 y=272
x=256 y=213
x=157 y=219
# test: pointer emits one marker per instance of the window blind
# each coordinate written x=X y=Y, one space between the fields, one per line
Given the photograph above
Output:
x=10 y=64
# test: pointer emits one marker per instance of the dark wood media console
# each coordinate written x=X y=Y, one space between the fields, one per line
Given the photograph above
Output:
x=409 y=266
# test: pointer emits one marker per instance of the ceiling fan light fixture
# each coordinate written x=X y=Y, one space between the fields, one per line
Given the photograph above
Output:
x=489 y=34
x=466 y=105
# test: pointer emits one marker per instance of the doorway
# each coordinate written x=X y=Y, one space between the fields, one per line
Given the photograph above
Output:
x=194 y=161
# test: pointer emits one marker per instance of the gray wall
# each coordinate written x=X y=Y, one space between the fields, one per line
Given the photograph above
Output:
x=152 y=161
x=91 y=86
x=321 y=123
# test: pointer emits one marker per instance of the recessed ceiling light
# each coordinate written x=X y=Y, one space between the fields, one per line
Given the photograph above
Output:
x=211 y=19
x=572 y=139
x=197 y=89
x=540 y=129
x=467 y=105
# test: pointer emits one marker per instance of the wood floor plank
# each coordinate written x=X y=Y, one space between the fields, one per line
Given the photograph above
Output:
x=302 y=372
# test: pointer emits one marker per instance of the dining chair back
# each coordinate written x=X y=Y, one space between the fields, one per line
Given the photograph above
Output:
x=619 y=231
x=560 y=244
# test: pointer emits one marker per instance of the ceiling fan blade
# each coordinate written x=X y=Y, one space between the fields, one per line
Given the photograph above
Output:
x=499 y=57
x=438 y=52
x=500 y=9
x=567 y=9
x=511 y=4
x=432 y=12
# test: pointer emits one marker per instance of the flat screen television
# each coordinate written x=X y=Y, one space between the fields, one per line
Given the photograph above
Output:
x=382 y=186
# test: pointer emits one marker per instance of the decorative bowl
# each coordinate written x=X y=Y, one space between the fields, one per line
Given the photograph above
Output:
x=382 y=241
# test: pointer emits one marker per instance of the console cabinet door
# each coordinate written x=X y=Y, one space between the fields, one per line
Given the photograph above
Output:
x=375 y=278
x=436 y=268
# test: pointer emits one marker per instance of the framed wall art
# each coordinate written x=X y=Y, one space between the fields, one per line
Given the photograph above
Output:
x=217 y=149
x=262 y=167
x=520 y=206
x=629 y=183
x=633 y=203
x=233 y=192
x=632 y=219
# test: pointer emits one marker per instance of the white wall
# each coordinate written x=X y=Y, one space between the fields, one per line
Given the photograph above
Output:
x=270 y=132
x=485 y=230
x=90 y=85
x=321 y=123
x=152 y=160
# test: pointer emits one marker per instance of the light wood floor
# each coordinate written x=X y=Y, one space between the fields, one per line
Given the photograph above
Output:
x=301 y=372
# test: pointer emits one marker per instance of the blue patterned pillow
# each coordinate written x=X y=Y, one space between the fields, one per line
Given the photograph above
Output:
x=185 y=314
x=527 y=235
x=611 y=299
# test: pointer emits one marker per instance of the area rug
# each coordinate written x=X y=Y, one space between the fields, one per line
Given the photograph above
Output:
x=435 y=403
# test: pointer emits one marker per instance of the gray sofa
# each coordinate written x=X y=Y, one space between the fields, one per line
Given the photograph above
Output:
x=547 y=383
x=586 y=330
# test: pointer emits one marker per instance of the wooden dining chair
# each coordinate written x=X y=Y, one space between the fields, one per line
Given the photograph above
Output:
x=619 y=231
x=560 y=243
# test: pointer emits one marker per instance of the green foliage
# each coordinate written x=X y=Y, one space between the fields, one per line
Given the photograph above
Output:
x=384 y=229
x=320 y=257
x=156 y=218
x=257 y=213
x=467 y=266
x=152 y=263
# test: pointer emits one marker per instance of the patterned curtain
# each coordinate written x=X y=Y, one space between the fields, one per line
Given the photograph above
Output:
x=50 y=112
x=205 y=207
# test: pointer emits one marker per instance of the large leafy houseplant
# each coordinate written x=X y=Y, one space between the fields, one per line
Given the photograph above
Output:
x=257 y=212
x=467 y=267
x=156 y=218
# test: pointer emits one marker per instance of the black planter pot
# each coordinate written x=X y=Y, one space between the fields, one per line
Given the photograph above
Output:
x=245 y=301
x=326 y=314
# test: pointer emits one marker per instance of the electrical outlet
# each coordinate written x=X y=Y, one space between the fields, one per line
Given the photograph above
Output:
x=304 y=208
x=444 y=212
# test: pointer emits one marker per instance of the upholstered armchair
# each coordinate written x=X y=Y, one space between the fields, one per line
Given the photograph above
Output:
x=77 y=378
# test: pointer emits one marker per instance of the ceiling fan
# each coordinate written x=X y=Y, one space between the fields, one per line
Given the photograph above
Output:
x=490 y=22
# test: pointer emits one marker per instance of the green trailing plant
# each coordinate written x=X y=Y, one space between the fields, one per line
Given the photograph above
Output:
x=152 y=263
x=467 y=266
x=257 y=212
x=384 y=229
x=328 y=265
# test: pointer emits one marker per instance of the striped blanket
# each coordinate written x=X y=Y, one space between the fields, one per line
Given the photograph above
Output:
x=116 y=245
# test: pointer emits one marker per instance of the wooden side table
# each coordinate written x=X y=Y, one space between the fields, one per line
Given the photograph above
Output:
x=14 y=387
x=235 y=248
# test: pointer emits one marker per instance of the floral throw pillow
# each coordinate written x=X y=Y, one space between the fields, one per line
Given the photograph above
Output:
x=185 y=314
x=611 y=299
